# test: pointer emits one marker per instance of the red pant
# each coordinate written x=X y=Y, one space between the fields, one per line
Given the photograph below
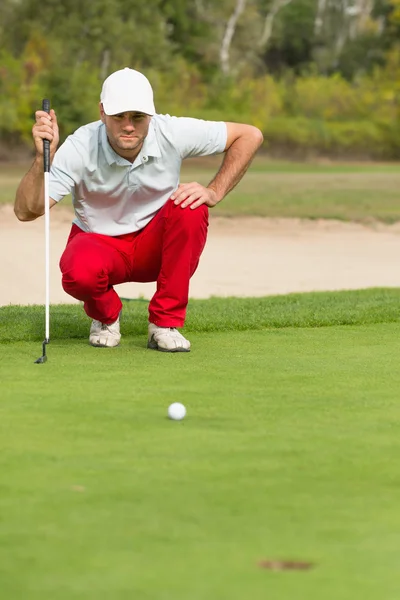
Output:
x=167 y=250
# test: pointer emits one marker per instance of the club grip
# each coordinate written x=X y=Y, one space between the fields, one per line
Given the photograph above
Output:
x=46 y=143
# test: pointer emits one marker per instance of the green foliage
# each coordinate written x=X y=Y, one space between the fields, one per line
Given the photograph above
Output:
x=292 y=37
x=330 y=138
x=67 y=50
x=188 y=31
x=19 y=90
x=74 y=92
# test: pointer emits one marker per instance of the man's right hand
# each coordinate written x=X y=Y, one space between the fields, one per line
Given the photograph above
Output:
x=45 y=128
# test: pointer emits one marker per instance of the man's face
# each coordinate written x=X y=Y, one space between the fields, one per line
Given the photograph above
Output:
x=126 y=132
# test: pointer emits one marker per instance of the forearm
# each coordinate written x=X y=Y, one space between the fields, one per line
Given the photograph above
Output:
x=237 y=160
x=29 y=198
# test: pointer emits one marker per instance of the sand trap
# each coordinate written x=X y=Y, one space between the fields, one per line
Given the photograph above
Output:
x=243 y=257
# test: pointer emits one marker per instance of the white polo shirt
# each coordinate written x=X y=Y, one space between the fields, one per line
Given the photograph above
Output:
x=113 y=196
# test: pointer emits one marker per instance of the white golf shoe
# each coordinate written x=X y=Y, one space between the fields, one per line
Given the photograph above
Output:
x=167 y=339
x=104 y=336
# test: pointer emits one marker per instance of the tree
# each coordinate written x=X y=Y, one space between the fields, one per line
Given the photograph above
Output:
x=291 y=40
x=106 y=33
x=228 y=36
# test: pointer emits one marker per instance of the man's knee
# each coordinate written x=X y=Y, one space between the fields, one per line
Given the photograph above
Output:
x=83 y=279
x=190 y=217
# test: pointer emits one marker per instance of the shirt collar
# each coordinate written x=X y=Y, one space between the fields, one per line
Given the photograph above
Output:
x=150 y=148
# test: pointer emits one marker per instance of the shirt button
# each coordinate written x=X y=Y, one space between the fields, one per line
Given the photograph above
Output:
x=145 y=158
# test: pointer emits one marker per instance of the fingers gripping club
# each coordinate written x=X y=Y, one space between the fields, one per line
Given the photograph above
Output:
x=46 y=143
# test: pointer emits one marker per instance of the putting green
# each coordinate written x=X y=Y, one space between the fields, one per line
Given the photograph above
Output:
x=290 y=450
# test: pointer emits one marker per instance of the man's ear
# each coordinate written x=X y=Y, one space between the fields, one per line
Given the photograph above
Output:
x=102 y=113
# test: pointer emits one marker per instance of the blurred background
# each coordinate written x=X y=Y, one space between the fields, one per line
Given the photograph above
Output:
x=319 y=77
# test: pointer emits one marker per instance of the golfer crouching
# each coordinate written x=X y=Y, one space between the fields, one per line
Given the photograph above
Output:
x=133 y=220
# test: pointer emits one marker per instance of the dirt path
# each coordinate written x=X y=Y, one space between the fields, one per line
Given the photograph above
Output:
x=243 y=257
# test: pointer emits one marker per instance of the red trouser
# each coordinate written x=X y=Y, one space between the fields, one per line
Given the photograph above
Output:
x=167 y=250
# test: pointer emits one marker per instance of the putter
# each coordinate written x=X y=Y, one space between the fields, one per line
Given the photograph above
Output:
x=46 y=166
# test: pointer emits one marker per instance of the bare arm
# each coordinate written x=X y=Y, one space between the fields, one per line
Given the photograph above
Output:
x=29 y=198
x=242 y=143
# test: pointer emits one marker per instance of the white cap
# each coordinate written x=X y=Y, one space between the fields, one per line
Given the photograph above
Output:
x=127 y=90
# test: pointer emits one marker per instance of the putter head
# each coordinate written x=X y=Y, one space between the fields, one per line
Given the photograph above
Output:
x=41 y=360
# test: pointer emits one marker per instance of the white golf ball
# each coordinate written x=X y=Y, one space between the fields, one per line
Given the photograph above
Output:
x=176 y=411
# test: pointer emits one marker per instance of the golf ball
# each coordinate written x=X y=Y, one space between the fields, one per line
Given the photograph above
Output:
x=176 y=411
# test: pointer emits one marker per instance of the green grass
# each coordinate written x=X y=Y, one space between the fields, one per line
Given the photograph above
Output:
x=345 y=192
x=290 y=450
x=356 y=307
x=282 y=189
x=10 y=176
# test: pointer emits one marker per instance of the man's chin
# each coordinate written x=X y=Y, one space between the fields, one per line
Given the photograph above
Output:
x=128 y=144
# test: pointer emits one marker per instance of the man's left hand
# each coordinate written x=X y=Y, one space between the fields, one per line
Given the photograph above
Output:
x=194 y=194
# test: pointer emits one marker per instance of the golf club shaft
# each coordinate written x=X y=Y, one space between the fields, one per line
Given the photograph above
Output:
x=46 y=166
x=47 y=250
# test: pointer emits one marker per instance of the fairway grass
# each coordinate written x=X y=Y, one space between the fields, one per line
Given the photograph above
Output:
x=290 y=450
x=282 y=189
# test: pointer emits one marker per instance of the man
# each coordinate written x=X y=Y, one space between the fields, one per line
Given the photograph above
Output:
x=133 y=220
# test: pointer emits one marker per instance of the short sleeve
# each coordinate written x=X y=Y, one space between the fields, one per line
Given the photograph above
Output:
x=65 y=170
x=197 y=137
